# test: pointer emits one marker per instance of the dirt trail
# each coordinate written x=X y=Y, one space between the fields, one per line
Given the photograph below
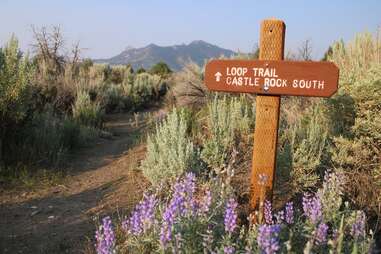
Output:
x=101 y=180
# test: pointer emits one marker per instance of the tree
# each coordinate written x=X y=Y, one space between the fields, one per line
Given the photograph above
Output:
x=256 y=52
x=161 y=69
x=305 y=51
x=327 y=54
x=140 y=70
x=48 y=52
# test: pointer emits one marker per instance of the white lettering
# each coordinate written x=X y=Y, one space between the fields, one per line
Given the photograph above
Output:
x=308 y=84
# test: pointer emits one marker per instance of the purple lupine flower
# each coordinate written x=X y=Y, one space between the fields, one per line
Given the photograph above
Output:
x=105 y=237
x=181 y=203
x=168 y=219
x=358 y=227
x=289 y=213
x=165 y=234
x=268 y=212
x=205 y=203
x=183 y=194
x=320 y=236
x=230 y=218
x=312 y=208
x=190 y=189
x=142 y=217
x=229 y=250
x=268 y=238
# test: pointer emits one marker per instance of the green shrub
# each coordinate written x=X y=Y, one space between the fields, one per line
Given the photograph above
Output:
x=308 y=142
x=115 y=98
x=15 y=72
x=357 y=153
x=161 y=69
x=87 y=112
x=226 y=119
x=47 y=138
x=170 y=152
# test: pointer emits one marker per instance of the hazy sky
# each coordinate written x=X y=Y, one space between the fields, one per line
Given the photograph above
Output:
x=107 y=27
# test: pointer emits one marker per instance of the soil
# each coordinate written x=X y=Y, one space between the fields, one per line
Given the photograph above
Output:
x=102 y=179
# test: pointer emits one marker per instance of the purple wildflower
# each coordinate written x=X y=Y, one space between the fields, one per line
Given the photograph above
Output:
x=230 y=218
x=206 y=202
x=229 y=250
x=312 y=208
x=181 y=203
x=142 y=217
x=105 y=237
x=358 y=227
x=289 y=213
x=320 y=236
x=268 y=212
x=268 y=238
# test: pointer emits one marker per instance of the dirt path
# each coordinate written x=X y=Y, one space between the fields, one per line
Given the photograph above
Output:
x=101 y=180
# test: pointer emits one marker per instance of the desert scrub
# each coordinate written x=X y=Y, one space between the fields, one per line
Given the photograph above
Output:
x=15 y=73
x=308 y=142
x=144 y=89
x=170 y=152
x=358 y=152
x=87 y=112
x=188 y=86
x=47 y=138
x=115 y=98
x=197 y=217
x=227 y=118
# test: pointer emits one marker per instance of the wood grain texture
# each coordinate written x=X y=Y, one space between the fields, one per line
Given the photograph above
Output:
x=272 y=37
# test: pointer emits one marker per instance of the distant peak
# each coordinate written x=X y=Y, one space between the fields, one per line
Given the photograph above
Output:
x=198 y=42
x=152 y=45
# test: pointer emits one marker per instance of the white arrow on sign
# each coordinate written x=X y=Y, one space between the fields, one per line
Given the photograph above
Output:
x=218 y=76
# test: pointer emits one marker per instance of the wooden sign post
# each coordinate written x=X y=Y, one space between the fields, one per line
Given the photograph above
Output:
x=270 y=77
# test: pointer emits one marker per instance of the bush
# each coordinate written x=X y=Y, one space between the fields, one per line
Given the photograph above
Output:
x=189 y=88
x=227 y=118
x=204 y=219
x=47 y=138
x=86 y=112
x=357 y=153
x=161 y=69
x=170 y=152
x=308 y=142
x=115 y=98
x=15 y=72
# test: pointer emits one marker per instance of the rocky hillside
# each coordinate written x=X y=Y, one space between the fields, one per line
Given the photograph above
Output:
x=175 y=56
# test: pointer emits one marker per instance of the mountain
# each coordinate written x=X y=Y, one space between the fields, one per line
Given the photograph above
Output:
x=175 y=56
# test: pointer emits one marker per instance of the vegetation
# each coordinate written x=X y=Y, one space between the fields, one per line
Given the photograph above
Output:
x=170 y=152
x=204 y=219
x=52 y=102
x=328 y=164
x=161 y=69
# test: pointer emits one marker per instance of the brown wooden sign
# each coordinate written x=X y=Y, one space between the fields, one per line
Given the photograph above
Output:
x=270 y=77
x=318 y=79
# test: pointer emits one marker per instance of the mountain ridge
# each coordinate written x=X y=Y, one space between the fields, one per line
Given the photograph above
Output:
x=175 y=56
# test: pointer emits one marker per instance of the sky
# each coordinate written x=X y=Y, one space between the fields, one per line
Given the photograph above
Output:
x=106 y=27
